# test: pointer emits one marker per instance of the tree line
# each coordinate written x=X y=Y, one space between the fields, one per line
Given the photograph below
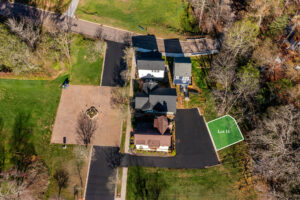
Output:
x=255 y=78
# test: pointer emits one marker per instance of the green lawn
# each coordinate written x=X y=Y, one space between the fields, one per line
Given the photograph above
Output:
x=86 y=61
x=40 y=99
x=159 y=17
x=225 y=181
x=225 y=132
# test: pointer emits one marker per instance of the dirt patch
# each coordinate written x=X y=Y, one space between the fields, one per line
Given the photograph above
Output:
x=80 y=98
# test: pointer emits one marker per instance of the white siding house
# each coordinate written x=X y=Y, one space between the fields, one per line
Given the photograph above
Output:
x=144 y=73
x=151 y=68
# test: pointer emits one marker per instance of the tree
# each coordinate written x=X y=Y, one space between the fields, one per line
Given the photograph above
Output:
x=241 y=37
x=233 y=87
x=275 y=149
x=119 y=98
x=21 y=145
x=128 y=55
x=61 y=177
x=86 y=128
x=26 y=29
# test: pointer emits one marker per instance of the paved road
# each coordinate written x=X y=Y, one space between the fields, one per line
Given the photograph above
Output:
x=194 y=148
x=113 y=64
x=171 y=47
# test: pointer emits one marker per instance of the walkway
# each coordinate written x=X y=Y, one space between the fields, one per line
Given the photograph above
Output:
x=170 y=47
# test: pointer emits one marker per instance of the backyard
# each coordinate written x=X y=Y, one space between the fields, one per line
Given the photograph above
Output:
x=157 y=17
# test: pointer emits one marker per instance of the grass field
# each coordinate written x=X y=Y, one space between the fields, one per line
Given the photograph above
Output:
x=225 y=181
x=224 y=131
x=159 y=17
x=40 y=99
x=86 y=61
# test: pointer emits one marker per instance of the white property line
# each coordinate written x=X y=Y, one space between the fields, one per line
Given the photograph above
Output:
x=236 y=125
x=212 y=141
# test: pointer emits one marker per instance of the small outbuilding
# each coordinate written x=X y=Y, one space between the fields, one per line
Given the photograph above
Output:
x=182 y=71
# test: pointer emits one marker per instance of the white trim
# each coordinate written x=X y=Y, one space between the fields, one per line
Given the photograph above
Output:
x=237 y=127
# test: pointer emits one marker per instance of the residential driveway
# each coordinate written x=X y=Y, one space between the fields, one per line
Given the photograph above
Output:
x=194 y=147
x=113 y=64
x=77 y=98
x=101 y=178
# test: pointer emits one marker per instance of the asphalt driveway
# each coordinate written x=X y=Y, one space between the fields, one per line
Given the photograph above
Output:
x=194 y=147
x=101 y=178
x=113 y=64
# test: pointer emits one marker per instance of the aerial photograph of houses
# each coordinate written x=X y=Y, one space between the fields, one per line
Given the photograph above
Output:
x=149 y=100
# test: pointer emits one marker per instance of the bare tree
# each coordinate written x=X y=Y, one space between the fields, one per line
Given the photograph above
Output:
x=274 y=146
x=119 y=98
x=128 y=55
x=61 y=177
x=86 y=128
x=27 y=29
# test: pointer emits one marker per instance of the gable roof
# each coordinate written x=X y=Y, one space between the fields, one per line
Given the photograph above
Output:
x=159 y=100
x=151 y=64
x=161 y=123
x=153 y=141
x=182 y=67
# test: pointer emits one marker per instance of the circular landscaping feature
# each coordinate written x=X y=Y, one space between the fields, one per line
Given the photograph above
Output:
x=92 y=112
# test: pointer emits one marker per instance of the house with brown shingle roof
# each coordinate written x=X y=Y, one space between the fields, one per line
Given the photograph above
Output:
x=155 y=137
x=152 y=142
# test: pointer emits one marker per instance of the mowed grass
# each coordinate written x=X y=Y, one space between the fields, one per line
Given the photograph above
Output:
x=86 y=61
x=40 y=98
x=224 y=131
x=161 y=18
x=225 y=181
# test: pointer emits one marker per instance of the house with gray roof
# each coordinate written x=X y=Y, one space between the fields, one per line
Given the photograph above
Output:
x=151 y=67
x=159 y=100
x=182 y=71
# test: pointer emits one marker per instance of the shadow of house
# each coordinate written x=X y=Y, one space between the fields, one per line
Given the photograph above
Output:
x=145 y=43
x=173 y=48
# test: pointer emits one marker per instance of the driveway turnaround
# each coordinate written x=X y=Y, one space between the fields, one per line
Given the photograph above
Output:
x=113 y=64
x=101 y=178
x=194 y=147
x=76 y=99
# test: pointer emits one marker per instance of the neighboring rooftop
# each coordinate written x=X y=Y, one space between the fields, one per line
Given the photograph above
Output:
x=153 y=141
x=159 y=100
x=182 y=67
x=151 y=64
x=161 y=123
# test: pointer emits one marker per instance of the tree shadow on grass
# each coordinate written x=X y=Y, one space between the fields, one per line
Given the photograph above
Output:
x=145 y=185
